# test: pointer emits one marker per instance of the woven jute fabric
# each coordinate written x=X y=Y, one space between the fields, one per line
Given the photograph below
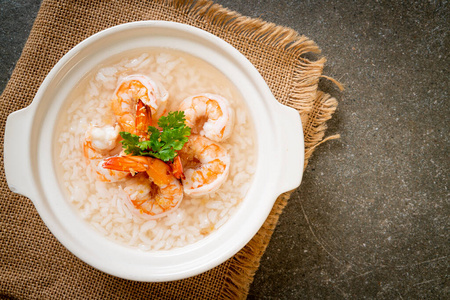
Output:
x=33 y=264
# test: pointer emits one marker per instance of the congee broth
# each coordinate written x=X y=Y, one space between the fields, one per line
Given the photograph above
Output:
x=157 y=197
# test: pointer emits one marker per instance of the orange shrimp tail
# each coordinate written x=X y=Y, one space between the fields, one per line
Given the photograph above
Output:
x=156 y=169
x=177 y=168
x=130 y=164
x=143 y=119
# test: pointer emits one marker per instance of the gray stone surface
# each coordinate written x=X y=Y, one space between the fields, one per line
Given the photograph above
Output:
x=371 y=217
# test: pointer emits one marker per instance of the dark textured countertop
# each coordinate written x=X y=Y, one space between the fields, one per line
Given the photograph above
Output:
x=371 y=217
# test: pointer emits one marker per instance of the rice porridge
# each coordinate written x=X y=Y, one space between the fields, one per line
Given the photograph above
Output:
x=105 y=205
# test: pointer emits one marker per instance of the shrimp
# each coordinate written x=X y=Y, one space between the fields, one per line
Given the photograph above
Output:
x=129 y=91
x=155 y=196
x=177 y=168
x=209 y=115
x=143 y=119
x=206 y=165
x=100 y=142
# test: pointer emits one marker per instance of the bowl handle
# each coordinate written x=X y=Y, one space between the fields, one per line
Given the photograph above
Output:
x=292 y=148
x=18 y=169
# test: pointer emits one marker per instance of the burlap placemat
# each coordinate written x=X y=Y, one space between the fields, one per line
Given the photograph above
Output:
x=33 y=263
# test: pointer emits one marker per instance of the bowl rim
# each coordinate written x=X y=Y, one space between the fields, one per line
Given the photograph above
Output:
x=38 y=193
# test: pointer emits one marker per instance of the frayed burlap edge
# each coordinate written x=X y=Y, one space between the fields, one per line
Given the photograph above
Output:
x=246 y=262
x=315 y=109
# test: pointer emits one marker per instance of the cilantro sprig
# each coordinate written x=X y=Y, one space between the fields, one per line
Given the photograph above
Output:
x=163 y=143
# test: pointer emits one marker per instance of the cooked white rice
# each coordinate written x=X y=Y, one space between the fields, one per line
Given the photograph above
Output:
x=105 y=205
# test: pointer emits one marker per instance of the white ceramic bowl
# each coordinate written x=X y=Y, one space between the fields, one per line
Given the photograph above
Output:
x=30 y=168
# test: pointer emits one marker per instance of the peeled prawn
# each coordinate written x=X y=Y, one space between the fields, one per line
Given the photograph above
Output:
x=209 y=115
x=131 y=89
x=155 y=196
x=99 y=142
x=206 y=165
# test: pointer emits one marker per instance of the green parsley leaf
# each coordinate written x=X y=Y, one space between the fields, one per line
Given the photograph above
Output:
x=130 y=143
x=163 y=143
x=174 y=119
